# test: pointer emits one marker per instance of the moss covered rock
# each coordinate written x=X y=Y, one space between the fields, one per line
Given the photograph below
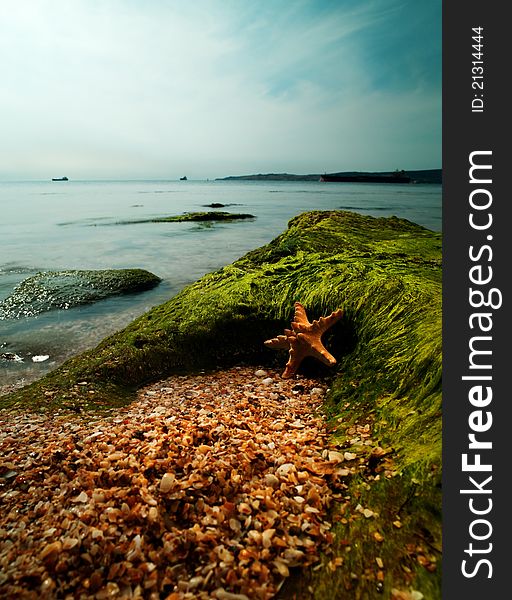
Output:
x=65 y=289
x=386 y=275
x=194 y=216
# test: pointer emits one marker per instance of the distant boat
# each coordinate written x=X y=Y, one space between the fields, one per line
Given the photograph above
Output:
x=184 y=178
x=60 y=179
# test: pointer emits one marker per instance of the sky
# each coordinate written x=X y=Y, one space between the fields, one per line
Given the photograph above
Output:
x=150 y=89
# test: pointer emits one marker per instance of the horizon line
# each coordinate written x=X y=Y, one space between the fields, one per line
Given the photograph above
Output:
x=40 y=180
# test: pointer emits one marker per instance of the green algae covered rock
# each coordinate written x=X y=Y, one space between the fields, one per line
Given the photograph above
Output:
x=194 y=216
x=385 y=273
x=64 y=289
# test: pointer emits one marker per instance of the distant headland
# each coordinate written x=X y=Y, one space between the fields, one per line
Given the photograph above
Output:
x=418 y=176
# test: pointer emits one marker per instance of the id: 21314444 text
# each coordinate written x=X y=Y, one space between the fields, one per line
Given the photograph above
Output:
x=477 y=70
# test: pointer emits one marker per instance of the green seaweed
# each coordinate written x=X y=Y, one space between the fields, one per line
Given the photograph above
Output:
x=192 y=216
x=385 y=273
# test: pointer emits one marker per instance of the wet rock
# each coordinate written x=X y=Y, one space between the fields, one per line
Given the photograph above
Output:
x=193 y=216
x=11 y=357
x=40 y=358
x=64 y=289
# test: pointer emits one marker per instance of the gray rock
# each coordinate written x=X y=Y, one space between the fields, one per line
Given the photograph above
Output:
x=11 y=356
x=64 y=289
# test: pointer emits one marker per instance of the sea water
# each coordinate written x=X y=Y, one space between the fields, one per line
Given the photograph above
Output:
x=47 y=226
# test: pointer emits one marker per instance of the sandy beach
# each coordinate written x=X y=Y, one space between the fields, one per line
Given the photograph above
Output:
x=207 y=486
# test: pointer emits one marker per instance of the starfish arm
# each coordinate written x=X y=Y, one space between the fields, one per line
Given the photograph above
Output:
x=323 y=323
x=298 y=351
x=313 y=346
x=281 y=341
x=300 y=320
x=289 y=371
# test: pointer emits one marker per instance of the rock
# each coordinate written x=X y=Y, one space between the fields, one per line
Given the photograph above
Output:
x=82 y=497
x=11 y=356
x=285 y=469
x=334 y=456
x=222 y=594
x=193 y=216
x=64 y=289
x=271 y=480
x=167 y=482
x=261 y=373
x=40 y=358
x=51 y=551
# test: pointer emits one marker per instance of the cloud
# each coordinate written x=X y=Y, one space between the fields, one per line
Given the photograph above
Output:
x=155 y=89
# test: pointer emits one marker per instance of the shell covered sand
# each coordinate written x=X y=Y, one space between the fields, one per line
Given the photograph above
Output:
x=207 y=486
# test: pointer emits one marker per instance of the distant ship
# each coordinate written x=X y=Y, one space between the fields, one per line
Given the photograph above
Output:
x=184 y=178
x=60 y=179
x=396 y=177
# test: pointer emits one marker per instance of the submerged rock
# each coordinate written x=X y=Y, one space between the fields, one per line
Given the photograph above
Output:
x=193 y=216
x=64 y=289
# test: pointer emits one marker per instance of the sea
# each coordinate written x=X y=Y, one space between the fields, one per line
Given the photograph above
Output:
x=60 y=225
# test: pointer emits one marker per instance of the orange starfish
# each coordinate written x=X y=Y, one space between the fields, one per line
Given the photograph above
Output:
x=304 y=339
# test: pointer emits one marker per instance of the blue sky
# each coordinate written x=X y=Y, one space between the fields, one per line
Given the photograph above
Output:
x=161 y=88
